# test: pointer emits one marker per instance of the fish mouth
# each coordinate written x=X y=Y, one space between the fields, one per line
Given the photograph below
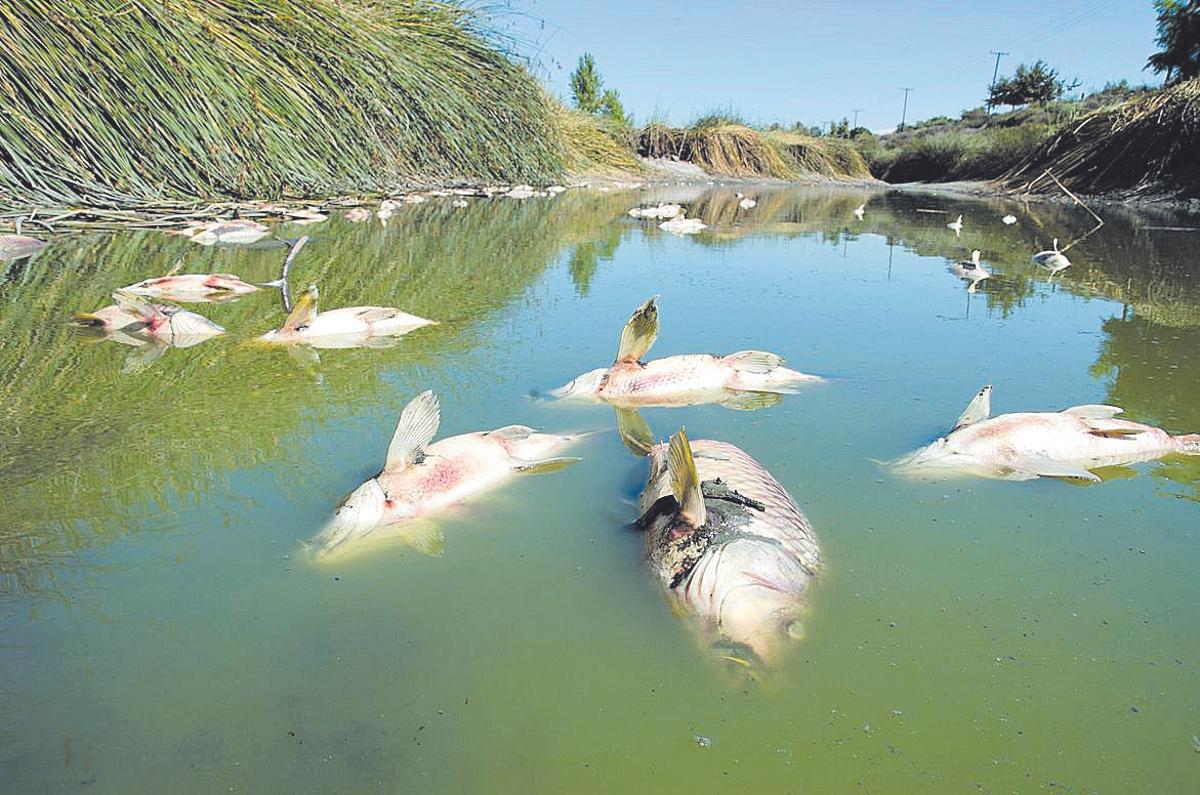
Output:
x=585 y=386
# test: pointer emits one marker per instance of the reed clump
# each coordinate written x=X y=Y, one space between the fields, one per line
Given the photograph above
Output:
x=733 y=150
x=1146 y=144
x=592 y=145
x=110 y=102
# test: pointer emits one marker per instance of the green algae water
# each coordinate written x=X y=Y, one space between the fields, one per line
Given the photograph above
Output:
x=162 y=628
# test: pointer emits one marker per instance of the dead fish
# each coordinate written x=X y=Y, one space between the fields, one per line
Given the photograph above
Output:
x=14 y=247
x=680 y=225
x=1009 y=219
x=422 y=479
x=1028 y=445
x=132 y=316
x=664 y=211
x=747 y=204
x=348 y=327
x=303 y=216
x=357 y=215
x=730 y=546
x=1052 y=260
x=235 y=231
x=192 y=287
x=680 y=380
x=860 y=211
x=956 y=225
x=458 y=204
x=970 y=271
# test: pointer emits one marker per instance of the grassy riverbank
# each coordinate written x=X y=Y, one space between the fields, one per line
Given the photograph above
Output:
x=104 y=102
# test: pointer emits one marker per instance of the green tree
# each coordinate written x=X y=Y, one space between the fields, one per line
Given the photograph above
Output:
x=611 y=107
x=586 y=84
x=1178 y=40
x=1037 y=83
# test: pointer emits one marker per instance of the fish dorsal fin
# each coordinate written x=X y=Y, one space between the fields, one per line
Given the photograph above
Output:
x=304 y=311
x=980 y=408
x=685 y=482
x=135 y=306
x=639 y=333
x=1094 y=411
x=975 y=257
x=760 y=362
x=418 y=423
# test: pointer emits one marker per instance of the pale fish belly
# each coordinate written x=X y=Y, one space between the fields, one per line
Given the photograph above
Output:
x=1069 y=439
x=454 y=469
x=666 y=378
x=362 y=322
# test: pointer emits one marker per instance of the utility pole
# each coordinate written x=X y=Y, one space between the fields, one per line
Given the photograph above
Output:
x=831 y=123
x=904 y=113
x=856 y=112
x=995 y=73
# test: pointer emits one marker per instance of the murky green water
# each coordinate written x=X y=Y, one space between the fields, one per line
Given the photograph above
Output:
x=161 y=631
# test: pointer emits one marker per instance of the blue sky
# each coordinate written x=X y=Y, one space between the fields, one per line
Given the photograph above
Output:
x=816 y=60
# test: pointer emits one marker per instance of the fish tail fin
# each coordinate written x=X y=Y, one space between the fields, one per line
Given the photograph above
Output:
x=87 y=320
x=685 y=481
x=1189 y=443
x=639 y=333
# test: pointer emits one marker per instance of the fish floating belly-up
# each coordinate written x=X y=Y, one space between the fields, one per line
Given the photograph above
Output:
x=422 y=478
x=1027 y=445
x=730 y=546
x=348 y=327
x=746 y=379
x=192 y=287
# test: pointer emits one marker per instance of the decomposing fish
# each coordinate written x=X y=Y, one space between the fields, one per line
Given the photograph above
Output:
x=970 y=271
x=956 y=225
x=730 y=545
x=747 y=204
x=357 y=215
x=422 y=479
x=348 y=327
x=458 y=204
x=230 y=232
x=662 y=211
x=14 y=247
x=860 y=211
x=746 y=379
x=192 y=287
x=1028 y=445
x=1009 y=219
x=680 y=225
x=132 y=321
x=1052 y=260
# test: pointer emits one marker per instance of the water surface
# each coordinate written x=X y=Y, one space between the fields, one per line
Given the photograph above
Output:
x=163 y=630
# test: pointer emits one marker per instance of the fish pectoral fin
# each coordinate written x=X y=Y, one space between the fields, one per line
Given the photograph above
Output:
x=1094 y=411
x=546 y=465
x=305 y=355
x=760 y=362
x=685 y=481
x=1044 y=466
x=140 y=358
x=977 y=410
x=423 y=535
x=751 y=401
x=513 y=432
x=634 y=432
x=1115 y=433
x=418 y=423
x=134 y=305
x=640 y=332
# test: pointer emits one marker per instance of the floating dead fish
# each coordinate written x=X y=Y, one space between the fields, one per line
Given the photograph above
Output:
x=554 y=190
x=304 y=216
x=1024 y=446
x=683 y=226
x=956 y=225
x=970 y=271
x=133 y=316
x=192 y=287
x=458 y=203
x=18 y=246
x=413 y=198
x=422 y=478
x=744 y=379
x=659 y=211
x=233 y=232
x=1052 y=260
x=357 y=215
x=1009 y=219
x=747 y=204
x=521 y=192
x=860 y=211
x=349 y=327
x=730 y=546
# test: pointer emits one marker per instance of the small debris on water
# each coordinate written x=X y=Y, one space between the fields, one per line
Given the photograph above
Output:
x=702 y=741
